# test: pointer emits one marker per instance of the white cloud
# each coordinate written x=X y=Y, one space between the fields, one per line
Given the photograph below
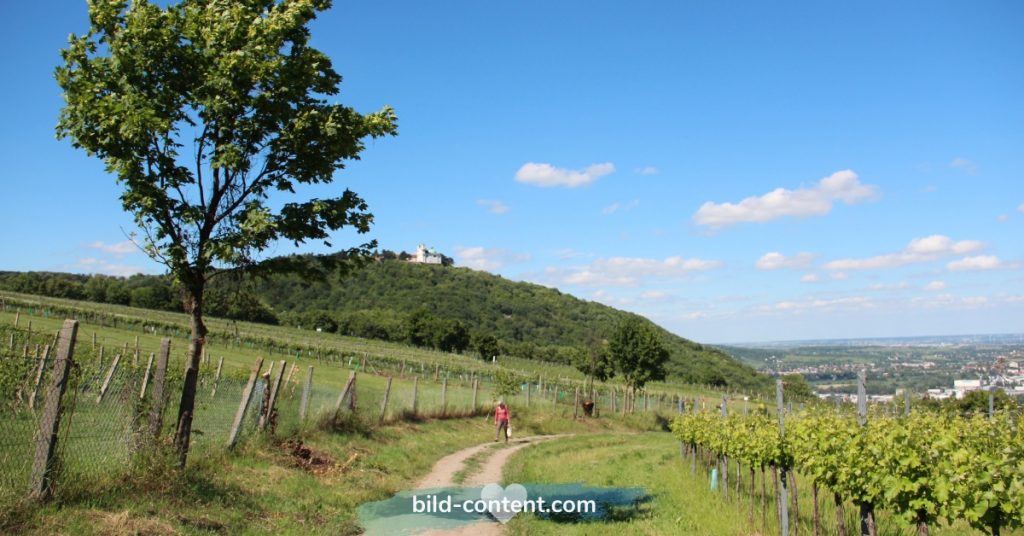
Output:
x=949 y=301
x=902 y=285
x=809 y=278
x=1021 y=208
x=569 y=253
x=695 y=315
x=494 y=206
x=616 y=207
x=629 y=271
x=964 y=165
x=925 y=249
x=608 y=299
x=839 y=276
x=546 y=175
x=935 y=285
x=820 y=304
x=814 y=201
x=654 y=295
x=646 y=170
x=1003 y=218
x=488 y=259
x=775 y=260
x=98 y=266
x=977 y=262
x=119 y=249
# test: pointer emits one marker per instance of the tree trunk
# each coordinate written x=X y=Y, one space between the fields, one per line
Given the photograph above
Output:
x=186 y=408
x=867 y=520
x=840 y=516
x=778 y=494
x=922 y=525
x=750 y=515
x=725 y=477
x=764 y=500
x=738 y=483
x=796 y=503
x=817 y=515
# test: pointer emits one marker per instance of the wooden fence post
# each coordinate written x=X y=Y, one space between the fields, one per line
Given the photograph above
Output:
x=306 y=388
x=244 y=404
x=474 y=393
x=40 y=481
x=384 y=404
x=275 y=387
x=145 y=377
x=40 y=371
x=291 y=376
x=156 y=414
x=576 y=405
x=110 y=376
x=444 y=396
x=216 y=378
x=349 y=392
x=415 y=386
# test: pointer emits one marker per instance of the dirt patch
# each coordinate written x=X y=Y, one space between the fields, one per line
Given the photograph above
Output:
x=125 y=523
x=304 y=457
x=202 y=524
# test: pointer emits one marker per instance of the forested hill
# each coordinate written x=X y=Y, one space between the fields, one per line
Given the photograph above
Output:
x=450 y=308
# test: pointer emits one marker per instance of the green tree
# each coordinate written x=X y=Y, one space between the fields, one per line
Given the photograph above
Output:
x=455 y=337
x=595 y=363
x=201 y=110
x=638 y=353
x=486 y=345
x=420 y=328
x=797 y=387
x=506 y=384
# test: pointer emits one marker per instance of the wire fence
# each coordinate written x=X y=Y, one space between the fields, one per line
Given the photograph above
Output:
x=107 y=404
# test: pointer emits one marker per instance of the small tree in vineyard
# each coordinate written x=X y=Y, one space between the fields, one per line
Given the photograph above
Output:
x=203 y=110
x=638 y=354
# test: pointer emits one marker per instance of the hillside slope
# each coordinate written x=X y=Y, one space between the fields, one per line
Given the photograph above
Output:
x=526 y=318
x=385 y=299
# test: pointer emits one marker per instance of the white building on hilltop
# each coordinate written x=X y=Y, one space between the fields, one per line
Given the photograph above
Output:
x=426 y=256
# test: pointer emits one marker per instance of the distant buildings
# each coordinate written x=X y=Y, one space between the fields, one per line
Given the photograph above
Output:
x=427 y=256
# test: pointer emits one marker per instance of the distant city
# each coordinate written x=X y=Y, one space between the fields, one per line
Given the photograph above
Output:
x=937 y=367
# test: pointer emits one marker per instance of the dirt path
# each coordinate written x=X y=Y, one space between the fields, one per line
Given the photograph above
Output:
x=489 y=472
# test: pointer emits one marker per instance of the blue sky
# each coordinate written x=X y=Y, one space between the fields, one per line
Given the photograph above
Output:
x=735 y=172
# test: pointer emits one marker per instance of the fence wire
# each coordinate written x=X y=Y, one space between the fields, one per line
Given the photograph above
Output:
x=106 y=415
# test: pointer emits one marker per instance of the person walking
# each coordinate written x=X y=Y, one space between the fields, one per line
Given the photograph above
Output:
x=501 y=421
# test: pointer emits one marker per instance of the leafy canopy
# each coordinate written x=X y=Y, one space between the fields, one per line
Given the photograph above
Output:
x=202 y=110
x=638 y=353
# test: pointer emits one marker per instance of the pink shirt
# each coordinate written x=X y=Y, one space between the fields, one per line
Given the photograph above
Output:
x=501 y=414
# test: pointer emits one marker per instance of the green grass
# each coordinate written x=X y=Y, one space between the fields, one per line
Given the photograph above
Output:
x=261 y=488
